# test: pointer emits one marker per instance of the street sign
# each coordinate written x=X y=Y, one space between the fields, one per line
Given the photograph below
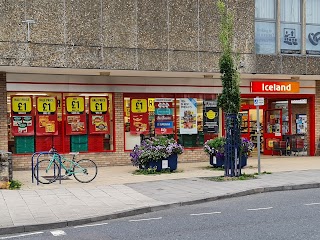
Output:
x=258 y=101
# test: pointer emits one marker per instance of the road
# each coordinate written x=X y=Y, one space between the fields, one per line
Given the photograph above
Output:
x=293 y=215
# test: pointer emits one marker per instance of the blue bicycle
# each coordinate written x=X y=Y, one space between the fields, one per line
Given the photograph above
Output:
x=48 y=171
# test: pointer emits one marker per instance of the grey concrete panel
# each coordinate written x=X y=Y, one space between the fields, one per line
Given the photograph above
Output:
x=119 y=58
x=209 y=62
x=268 y=64
x=119 y=23
x=183 y=29
x=152 y=24
x=152 y=60
x=183 y=61
x=313 y=66
x=48 y=56
x=209 y=26
x=12 y=13
x=244 y=13
x=83 y=57
x=49 y=17
x=83 y=22
x=293 y=64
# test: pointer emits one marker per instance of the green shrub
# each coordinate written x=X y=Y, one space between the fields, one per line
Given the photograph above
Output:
x=15 y=184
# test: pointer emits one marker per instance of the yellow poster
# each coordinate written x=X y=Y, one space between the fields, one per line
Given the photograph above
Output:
x=98 y=104
x=21 y=104
x=139 y=105
x=75 y=104
x=46 y=104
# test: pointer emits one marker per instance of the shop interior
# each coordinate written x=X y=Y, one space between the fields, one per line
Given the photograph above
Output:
x=283 y=125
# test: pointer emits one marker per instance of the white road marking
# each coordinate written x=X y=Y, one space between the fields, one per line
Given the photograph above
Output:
x=309 y=204
x=91 y=225
x=21 y=235
x=257 y=209
x=199 y=214
x=57 y=233
x=145 y=219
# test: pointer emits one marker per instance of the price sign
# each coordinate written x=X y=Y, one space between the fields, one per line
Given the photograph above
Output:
x=75 y=104
x=46 y=104
x=98 y=104
x=151 y=104
x=21 y=104
x=139 y=105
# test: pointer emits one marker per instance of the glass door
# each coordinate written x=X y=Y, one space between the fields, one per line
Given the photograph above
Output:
x=273 y=129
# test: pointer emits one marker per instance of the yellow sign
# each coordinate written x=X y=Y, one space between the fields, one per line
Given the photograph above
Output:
x=75 y=104
x=139 y=105
x=21 y=104
x=151 y=105
x=98 y=104
x=46 y=104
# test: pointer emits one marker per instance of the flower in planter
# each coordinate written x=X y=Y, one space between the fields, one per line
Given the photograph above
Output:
x=215 y=146
x=247 y=146
x=154 y=149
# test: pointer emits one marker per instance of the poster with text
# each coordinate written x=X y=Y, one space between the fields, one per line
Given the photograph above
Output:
x=139 y=116
x=163 y=115
x=188 y=116
x=210 y=116
x=76 y=116
x=46 y=118
x=22 y=116
x=98 y=115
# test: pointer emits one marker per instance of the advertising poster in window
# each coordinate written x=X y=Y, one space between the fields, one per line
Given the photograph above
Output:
x=139 y=116
x=46 y=118
x=265 y=37
x=301 y=123
x=22 y=116
x=210 y=116
x=163 y=115
x=290 y=38
x=313 y=40
x=76 y=116
x=188 y=116
x=98 y=116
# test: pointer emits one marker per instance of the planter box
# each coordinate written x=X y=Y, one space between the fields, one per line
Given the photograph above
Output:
x=243 y=161
x=171 y=160
x=216 y=161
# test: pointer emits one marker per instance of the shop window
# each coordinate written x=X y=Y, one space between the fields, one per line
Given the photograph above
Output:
x=185 y=117
x=87 y=127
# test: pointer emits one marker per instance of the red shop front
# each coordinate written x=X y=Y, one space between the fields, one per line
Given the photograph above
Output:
x=286 y=119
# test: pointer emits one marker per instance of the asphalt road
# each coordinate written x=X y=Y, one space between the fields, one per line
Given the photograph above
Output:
x=293 y=215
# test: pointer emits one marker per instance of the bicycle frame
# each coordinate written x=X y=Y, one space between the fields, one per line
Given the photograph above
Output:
x=61 y=160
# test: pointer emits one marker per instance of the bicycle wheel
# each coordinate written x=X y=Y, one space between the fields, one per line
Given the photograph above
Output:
x=85 y=170
x=46 y=175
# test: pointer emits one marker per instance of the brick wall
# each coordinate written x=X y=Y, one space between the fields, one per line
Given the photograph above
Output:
x=3 y=113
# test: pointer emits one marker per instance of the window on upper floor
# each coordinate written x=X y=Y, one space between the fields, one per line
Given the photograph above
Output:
x=282 y=22
x=313 y=27
x=265 y=27
x=290 y=26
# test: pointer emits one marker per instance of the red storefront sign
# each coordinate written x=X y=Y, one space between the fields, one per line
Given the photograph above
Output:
x=272 y=87
x=22 y=116
x=46 y=118
x=99 y=120
x=76 y=116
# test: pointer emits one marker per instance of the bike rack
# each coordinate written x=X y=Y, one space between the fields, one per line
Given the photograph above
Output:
x=35 y=156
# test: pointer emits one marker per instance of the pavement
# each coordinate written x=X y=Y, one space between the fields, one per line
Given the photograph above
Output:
x=117 y=192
